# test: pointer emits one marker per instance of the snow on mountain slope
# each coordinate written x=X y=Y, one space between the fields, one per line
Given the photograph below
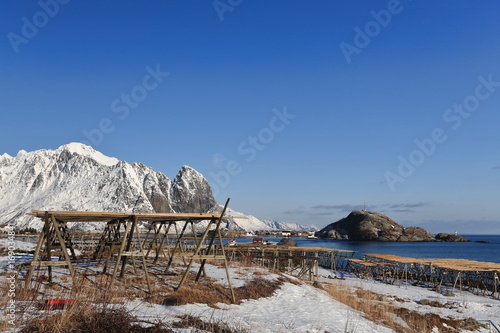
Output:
x=252 y=224
x=248 y=224
x=276 y=225
x=77 y=177
x=88 y=151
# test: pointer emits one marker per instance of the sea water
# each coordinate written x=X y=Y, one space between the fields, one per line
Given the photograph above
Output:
x=459 y=250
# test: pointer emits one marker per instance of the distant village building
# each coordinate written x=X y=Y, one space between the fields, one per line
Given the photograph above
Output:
x=286 y=233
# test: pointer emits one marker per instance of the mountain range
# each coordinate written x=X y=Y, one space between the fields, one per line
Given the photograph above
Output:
x=77 y=177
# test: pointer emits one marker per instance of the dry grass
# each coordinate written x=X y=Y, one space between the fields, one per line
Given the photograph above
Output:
x=92 y=310
x=381 y=311
x=416 y=321
x=199 y=325
x=90 y=319
x=210 y=293
x=258 y=288
x=246 y=261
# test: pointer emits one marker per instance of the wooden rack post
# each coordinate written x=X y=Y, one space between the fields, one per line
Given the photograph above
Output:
x=54 y=241
x=197 y=253
x=126 y=250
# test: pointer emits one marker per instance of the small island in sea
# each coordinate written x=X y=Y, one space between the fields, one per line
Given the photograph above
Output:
x=371 y=226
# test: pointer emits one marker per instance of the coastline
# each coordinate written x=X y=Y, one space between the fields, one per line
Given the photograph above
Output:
x=488 y=252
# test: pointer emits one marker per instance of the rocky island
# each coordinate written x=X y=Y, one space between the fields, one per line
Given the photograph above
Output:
x=372 y=226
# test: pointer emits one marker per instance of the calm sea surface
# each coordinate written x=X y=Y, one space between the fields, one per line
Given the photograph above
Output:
x=471 y=250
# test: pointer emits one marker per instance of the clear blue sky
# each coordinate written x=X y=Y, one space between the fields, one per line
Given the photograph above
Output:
x=352 y=84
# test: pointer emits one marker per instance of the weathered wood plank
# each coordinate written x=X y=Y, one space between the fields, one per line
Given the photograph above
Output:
x=76 y=216
x=49 y=263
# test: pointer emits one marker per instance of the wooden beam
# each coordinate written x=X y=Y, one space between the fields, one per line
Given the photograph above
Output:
x=49 y=263
x=209 y=257
x=76 y=216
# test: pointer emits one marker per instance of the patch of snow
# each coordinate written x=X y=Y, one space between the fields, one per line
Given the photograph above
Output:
x=84 y=150
x=277 y=225
x=293 y=308
x=22 y=153
x=252 y=224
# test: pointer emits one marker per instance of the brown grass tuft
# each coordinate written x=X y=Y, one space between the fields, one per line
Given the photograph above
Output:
x=90 y=319
x=425 y=322
x=205 y=292
x=188 y=321
x=210 y=293
x=383 y=312
x=258 y=288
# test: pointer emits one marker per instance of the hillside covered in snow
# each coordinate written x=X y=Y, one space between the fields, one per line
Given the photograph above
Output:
x=252 y=224
x=77 y=177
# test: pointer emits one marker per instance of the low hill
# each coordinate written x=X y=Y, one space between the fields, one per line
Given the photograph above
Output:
x=372 y=226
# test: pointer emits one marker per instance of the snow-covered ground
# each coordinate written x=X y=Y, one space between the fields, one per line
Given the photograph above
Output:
x=461 y=306
x=298 y=307
x=293 y=308
x=20 y=245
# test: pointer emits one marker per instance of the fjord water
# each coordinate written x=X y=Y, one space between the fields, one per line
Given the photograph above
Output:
x=469 y=250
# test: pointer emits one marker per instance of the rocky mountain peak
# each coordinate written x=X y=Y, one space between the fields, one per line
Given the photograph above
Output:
x=188 y=185
x=77 y=177
x=5 y=156
x=21 y=153
x=80 y=149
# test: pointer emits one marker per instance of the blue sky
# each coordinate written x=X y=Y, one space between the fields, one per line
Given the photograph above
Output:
x=299 y=111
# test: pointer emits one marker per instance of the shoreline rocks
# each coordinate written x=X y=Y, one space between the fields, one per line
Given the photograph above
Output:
x=287 y=242
x=444 y=237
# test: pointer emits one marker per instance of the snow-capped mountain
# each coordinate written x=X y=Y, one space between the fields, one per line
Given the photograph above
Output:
x=77 y=177
x=248 y=224
x=251 y=223
x=276 y=225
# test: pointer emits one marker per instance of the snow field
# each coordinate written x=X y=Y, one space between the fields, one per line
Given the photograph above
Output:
x=293 y=307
